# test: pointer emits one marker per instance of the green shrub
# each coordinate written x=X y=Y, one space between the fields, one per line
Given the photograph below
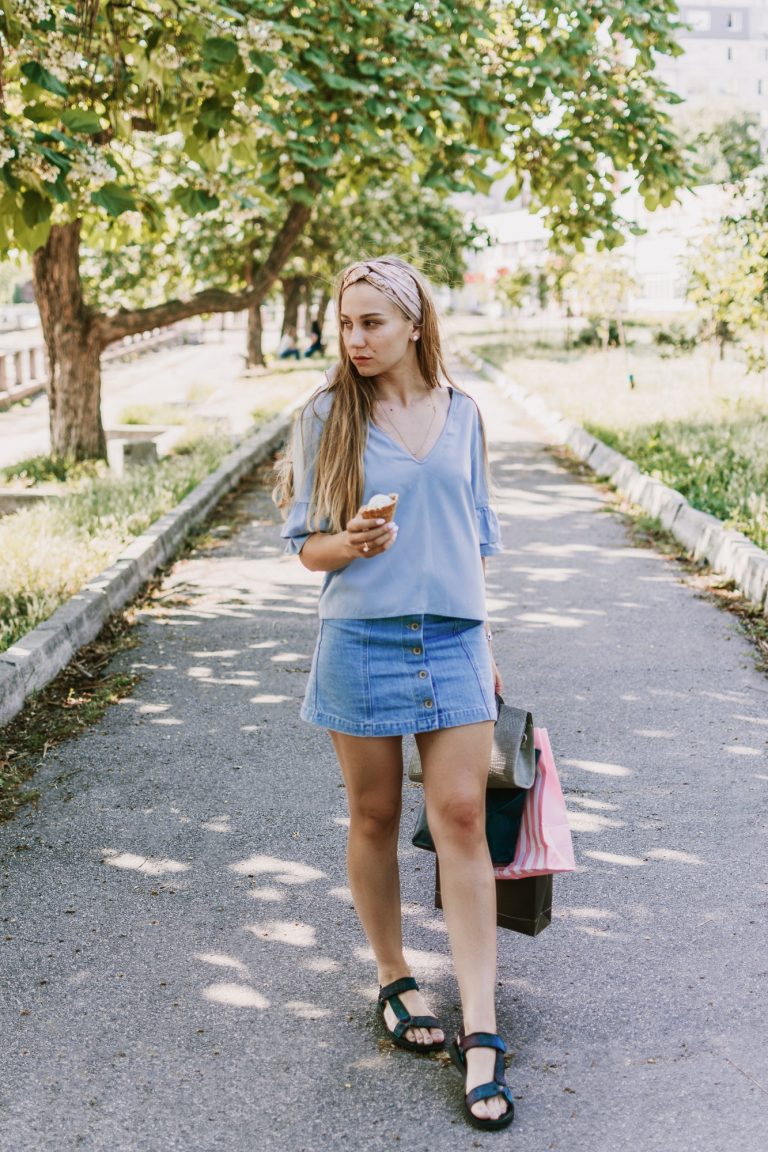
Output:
x=50 y=550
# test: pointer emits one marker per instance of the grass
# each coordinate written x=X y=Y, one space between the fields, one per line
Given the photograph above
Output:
x=152 y=414
x=697 y=424
x=50 y=550
x=77 y=698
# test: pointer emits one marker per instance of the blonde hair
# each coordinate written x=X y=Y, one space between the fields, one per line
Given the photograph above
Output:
x=337 y=490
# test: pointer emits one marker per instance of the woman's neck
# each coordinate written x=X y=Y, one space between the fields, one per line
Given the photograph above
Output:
x=401 y=385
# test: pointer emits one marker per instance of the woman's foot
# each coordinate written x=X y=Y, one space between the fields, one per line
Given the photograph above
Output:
x=406 y=991
x=479 y=1057
x=480 y=1066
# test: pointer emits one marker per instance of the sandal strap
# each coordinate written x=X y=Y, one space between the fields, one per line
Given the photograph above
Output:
x=482 y=1040
x=404 y=984
x=487 y=1091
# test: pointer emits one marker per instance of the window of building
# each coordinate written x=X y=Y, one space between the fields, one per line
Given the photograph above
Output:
x=699 y=19
x=729 y=52
x=735 y=21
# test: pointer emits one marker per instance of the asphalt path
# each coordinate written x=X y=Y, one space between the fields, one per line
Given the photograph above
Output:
x=181 y=964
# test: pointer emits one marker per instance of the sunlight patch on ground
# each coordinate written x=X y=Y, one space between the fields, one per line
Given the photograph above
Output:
x=265 y=699
x=284 y=871
x=221 y=960
x=602 y=805
x=591 y=822
x=743 y=750
x=580 y=913
x=286 y=932
x=341 y=894
x=599 y=767
x=675 y=856
x=235 y=995
x=150 y=867
x=306 y=1011
x=271 y=895
x=217 y=824
x=614 y=858
x=549 y=619
x=321 y=964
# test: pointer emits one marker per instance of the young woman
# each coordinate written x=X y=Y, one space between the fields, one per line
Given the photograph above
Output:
x=403 y=645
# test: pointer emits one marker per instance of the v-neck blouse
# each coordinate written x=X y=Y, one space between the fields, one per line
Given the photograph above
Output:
x=444 y=515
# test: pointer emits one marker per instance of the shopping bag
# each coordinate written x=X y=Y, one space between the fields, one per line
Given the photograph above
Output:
x=521 y=905
x=544 y=842
x=503 y=816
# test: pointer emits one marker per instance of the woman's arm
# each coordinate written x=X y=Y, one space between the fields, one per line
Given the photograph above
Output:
x=361 y=540
x=327 y=552
x=497 y=681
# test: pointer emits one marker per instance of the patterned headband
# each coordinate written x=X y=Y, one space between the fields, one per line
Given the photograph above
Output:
x=393 y=280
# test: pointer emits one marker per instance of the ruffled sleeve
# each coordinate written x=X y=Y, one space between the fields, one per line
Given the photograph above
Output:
x=306 y=442
x=488 y=528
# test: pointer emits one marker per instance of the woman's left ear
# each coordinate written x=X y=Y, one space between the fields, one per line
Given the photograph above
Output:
x=415 y=335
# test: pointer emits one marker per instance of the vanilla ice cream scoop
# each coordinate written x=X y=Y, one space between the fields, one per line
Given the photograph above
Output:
x=380 y=507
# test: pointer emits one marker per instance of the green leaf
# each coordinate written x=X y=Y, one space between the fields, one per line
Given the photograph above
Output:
x=262 y=60
x=81 y=120
x=37 y=113
x=298 y=81
x=194 y=201
x=218 y=50
x=35 y=208
x=40 y=76
x=114 y=198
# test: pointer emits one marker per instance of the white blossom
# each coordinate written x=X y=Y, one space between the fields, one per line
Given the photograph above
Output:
x=35 y=10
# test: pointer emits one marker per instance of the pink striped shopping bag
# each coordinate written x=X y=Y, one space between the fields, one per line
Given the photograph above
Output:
x=544 y=844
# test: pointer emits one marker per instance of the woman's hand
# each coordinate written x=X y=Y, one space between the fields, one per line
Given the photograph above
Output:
x=498 y=684
x=370 y=538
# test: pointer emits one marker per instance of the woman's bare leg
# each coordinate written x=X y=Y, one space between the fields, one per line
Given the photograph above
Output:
x=373 y=774
x=455 y=765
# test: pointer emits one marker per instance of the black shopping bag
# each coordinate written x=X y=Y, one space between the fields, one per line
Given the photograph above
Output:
x=523 y=905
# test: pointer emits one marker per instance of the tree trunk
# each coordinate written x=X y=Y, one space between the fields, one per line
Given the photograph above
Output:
x=322 y=307
x=254 y=355
x=74 y=348
x=293 y=291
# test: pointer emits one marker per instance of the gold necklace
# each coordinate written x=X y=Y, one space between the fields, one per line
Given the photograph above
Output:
x=399 y=434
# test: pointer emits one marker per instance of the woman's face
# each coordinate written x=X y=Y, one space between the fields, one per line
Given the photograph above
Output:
x=376 y=334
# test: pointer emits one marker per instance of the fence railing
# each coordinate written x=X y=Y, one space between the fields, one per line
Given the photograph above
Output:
x=24 y=371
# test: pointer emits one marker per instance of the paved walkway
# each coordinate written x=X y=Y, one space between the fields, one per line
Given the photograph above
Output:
x=181 y=964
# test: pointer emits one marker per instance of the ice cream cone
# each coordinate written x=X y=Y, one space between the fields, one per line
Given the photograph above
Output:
x=380 y=507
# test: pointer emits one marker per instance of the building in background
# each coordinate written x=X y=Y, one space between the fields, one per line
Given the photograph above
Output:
x=724 y=69
x=725 y=59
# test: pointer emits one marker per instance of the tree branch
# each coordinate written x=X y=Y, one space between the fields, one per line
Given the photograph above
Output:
x=127 y=322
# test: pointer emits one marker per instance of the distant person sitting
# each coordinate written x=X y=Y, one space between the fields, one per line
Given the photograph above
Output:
x=288 y=346
x=317 y=340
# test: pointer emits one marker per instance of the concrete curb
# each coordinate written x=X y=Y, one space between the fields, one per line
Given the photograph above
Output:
x=705 y=537
x=34 y=660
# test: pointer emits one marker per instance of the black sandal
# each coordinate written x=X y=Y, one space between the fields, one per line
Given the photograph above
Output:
x=496 y=1087
x=389 y=994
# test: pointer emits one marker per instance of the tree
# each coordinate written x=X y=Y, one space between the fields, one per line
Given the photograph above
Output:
x=728 y=274
x=119 y=120
x=599 y=286
x=725 y=151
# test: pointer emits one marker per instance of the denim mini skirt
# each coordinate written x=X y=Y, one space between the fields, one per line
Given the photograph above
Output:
x=400 y=674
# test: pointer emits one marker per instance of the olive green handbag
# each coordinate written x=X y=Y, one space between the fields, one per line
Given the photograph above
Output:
x=513 y=758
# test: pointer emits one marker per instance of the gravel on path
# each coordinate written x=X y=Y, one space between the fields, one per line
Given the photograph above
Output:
x=181 y=964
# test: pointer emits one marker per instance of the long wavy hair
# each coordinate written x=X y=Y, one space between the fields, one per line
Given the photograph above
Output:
x=337 y=491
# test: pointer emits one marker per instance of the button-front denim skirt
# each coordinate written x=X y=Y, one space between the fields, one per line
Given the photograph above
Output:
x=399 y=674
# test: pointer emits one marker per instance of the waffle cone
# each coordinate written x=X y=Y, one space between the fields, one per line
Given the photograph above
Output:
x=386 y=513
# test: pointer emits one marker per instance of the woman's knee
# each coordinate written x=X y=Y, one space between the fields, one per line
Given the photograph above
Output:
x=458 y=820
x=375 y=819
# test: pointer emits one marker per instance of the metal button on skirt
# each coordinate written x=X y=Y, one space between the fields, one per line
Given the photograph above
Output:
x=399 y=674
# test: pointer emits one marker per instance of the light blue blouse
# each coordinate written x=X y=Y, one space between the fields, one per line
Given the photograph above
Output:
x=444 y=516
